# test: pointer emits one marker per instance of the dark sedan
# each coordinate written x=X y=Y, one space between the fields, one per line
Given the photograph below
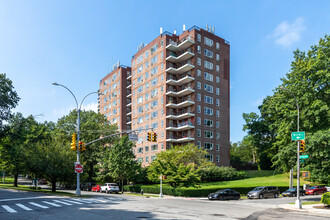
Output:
x=293 y=192
x=224 y=195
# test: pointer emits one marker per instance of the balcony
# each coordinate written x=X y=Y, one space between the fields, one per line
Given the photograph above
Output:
x=180 y=116
x=129 y=104
x=184 y=68
x=184 y=44
x=181 y=104
x=176 y=59
x=184 y=92
x=129 y=113
x=181 y=127
x=184 y=80
x=180 y=139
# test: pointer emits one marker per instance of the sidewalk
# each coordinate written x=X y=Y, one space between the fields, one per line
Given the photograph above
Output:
x=308 y=209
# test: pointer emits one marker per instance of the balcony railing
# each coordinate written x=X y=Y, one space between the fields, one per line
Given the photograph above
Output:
x=180 y=45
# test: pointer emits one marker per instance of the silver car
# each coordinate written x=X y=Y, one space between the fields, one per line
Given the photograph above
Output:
x=264 y=192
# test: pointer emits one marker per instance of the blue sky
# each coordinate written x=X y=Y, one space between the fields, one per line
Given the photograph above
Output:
x=76 y=43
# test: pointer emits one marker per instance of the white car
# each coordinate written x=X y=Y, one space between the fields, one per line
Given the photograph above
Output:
x=328 y=188
x=109 y=188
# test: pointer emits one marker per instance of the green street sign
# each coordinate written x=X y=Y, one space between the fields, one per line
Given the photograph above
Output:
x=297 y=136
x=304 y=156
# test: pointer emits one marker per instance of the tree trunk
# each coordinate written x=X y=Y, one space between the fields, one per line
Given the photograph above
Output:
x=122 y=186
x=54 y=186
x=16 y=180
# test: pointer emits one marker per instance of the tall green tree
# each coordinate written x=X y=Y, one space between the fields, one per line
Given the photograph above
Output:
x=92 y=126
x=119 y=162
x=180 y=165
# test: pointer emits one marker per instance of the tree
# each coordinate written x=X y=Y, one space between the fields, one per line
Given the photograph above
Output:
x=8 y=98
x=92 y=126
x=180 y=165
x=119 y=162
x=308 y=80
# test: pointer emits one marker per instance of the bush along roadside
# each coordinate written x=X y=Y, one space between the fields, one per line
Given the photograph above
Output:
x=325 y=199
x=185 y=192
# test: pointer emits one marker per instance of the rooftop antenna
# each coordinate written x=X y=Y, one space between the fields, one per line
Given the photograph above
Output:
x=174 y=31
x=161 y=30
x=184 y=28
x=207 y=27
x=213 y=30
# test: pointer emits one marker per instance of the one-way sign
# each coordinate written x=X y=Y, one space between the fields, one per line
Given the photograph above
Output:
x=297 y=136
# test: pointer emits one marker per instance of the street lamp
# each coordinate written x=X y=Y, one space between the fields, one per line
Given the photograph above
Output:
x=78 y=192
x=298 y=201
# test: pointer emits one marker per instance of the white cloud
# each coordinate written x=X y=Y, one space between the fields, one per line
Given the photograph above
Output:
x=91 y=106
x=286 y=34
x=258 y=102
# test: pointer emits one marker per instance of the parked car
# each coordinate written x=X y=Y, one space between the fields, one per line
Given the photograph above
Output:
x=293 y=192
x=87 y=186
x=314 y=190
x=264 y=192
x=96 y=188
x=42 y=181
x=109 y=188
x=225 y=194
x=328 y=188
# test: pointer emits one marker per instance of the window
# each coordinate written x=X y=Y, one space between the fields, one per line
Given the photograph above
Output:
x=208 y=76
x=208 y=146
x=208 y=99
x=217 y=147
x=139 y=59
x=154 y=125
x=217 y=57
x=154 y=114
x=154 y=71
x=199 y=97
x=154 y=60
x=208 y=111
x=199 y=61
x=140 y=109
x=217 y=102
x=153 y=158
x=199 y=85
x=199 y=38
x=217 y=79
x=198 y=144
x=217 y=135
x=162 y=77
x=154 y=81
x=208 y=41
x=198 y=132
x=146 y=117
x=217 y=67
x=208 y=134
x=218 y=158
x=217 y=45
x=209 y=157
x=217 y=90
x=208 y=88
x=147 y=54
x=140 y=99
x=140 y=69
x=140 y=120
x=147 y=85
x=162 y=123
x=147 y=159
x=208 y=53
x=162 y=67
x=199 y=50
x=199 y=109
x=154 y=49
x=208 y=65
x=140 y=89
x=199 y=121
x=146 y=64
x=140 y=159
x=154 y=147
x=146 y=106
x=217 y=124
x=199 y=73
x=146 y=148
x=140 y=150
x=147 y=96
x=154 y=92
x=208 y=122
x=154 y=103
x=139 y=79
x=217 y=112
x=162 y=43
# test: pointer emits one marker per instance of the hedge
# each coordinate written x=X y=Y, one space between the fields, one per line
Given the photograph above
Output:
x=186 y=192
x=325 y=199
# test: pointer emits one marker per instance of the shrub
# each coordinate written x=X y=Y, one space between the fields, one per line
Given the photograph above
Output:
x=325 y=199
x=214 y=174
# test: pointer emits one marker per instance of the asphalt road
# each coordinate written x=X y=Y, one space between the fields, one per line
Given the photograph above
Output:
x=27 y=205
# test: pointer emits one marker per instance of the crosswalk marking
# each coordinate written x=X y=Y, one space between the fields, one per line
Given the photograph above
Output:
x=114 y=199
x=9 y=209
x=23 y=207
x=65 y=203
x=38 y=205
x=83 y=200
x=74 y=202
x=51 y=203
x=98 y=200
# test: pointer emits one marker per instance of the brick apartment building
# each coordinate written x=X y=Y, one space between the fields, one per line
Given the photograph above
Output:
x=178 y=85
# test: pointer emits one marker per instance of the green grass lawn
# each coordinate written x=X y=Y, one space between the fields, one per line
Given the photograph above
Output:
x=257 y=178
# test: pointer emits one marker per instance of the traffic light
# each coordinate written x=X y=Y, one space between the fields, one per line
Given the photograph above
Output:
x=83 y=147
x=154 y=137
x=149 y=136
x=302 y=146
x=73 y=142
x=80 y=145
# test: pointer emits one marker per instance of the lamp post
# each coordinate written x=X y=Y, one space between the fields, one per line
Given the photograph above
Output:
x=298 y=201
x=78 y=192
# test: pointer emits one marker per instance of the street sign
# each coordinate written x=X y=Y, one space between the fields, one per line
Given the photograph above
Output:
x=297 y=136
x=303 y=156
x=76 y=162
x=133 y=137
x=305 y=174
x=78 y=168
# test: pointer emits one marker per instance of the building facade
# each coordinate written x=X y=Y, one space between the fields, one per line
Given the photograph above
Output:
x=179 y=88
